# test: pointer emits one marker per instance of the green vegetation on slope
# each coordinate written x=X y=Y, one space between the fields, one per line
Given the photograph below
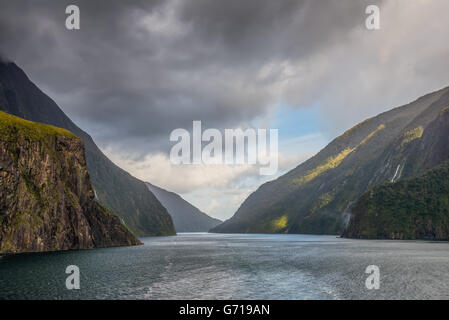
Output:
x=416 y=208
x=10 y=125
x=412 y=134
x=331 y=163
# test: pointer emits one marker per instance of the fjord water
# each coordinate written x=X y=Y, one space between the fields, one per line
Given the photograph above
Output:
x=224 y=266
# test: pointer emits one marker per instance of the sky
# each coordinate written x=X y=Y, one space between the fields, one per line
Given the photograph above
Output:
x=136 y=70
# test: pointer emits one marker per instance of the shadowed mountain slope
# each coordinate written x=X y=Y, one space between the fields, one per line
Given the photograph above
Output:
x=186 y=217
x=413 y=208
x=316 y=196
x=116 y=189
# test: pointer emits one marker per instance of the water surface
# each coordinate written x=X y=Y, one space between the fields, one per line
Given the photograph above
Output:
x=223 y=266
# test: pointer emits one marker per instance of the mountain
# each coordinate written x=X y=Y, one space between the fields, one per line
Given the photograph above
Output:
x=117 y=190
x=46 y=199
x=186 y=217
x=316 y=196
x=413 y=208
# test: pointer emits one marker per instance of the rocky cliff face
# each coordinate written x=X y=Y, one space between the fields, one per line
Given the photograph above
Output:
x=46 y=198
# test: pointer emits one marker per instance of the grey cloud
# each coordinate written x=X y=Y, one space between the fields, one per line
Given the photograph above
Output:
x=255 y=31
x=129 y=82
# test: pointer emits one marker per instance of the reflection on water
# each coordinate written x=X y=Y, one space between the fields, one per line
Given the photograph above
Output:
x=217 y=266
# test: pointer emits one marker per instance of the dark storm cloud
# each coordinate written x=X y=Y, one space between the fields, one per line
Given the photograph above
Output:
x=255 y=31
x=139 y=69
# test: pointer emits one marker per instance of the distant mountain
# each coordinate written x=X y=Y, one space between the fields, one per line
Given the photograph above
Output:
x=46 y=199
x=116 y=189
x=316 y=197
x=186 y=217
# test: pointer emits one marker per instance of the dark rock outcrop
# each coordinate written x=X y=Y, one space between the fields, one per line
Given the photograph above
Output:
x=46 y=198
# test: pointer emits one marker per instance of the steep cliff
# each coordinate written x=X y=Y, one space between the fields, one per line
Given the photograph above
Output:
x=46 y=198
x=116 y=189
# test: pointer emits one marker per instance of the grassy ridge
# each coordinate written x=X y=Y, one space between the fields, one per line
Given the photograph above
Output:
x=34 y=131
